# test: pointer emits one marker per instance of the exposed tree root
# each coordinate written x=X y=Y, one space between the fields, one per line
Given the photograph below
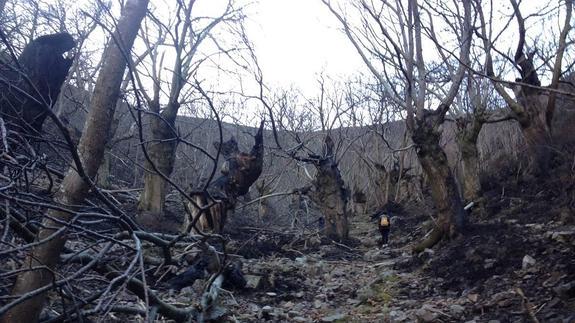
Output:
x=433 y=238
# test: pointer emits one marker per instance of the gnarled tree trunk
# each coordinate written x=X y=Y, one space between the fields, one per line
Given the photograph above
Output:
x=239 y=171
x=450 y=213
x=330 y=194
x=536 y=130
x=39 y=267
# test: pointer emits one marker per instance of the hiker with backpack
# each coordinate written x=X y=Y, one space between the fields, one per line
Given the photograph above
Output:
x=383 y=217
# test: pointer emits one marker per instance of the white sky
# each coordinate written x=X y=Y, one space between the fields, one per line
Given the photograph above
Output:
x=296 y=40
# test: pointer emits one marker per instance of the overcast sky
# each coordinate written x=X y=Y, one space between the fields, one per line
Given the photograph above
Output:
x=297 y=39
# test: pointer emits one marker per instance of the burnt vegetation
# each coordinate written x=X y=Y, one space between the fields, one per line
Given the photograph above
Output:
x=438 y=185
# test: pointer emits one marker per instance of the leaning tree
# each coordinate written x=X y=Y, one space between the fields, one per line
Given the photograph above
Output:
x=38 y=271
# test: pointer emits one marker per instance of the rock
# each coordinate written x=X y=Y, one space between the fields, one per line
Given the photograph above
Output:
x=288 y=305
x=267 y=309
x=489 y=263
x=374 y=255
x=352 y=301
x=457 y=309
x=301 y=260
x=528 y=262
x=254 y=307
x=397 y=316
x=473 y=297
x=426 y=314
x=426 y=254
x=566 y=290
x=272 y=294
x=564 y=236
x=299 y=294
x=300 y=319
x=266 y=312
x=254 y=281
x=334 y=317
x=317 y=303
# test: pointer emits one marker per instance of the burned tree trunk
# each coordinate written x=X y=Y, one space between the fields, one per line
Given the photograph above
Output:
x=532 y=107
x=39 y=269
x=535 y=128
x=532 y=114
x=266 y=210
x=467 y=134
x=359 y=199
x=330 y=194
x=27 y=93
x=450 y=213
x=162 y=152
x=239 y=171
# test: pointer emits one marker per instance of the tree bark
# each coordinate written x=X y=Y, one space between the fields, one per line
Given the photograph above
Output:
x=40 y=266
x=450 y=213
x=331 y=196
x=467 y=135
x=162 y=153
x=536 y=129
x=239 y=171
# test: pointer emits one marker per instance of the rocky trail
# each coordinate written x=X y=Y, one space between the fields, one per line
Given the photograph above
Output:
x=504 y=271
x=515 y=263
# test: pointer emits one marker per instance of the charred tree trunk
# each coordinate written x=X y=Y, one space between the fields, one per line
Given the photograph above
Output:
x=162 y=153
x=536 y=129
x=450 y=213
x=533 y=107
x=239 y=171
x=35 y=88
x=383 y=180
x=266 y=211
x=468 y=132
x=104 y=173
x=531 y=111
x=330 y=194
x=39 y=268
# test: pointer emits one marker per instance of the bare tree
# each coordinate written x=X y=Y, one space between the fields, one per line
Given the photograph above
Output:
x=392 y=35
x=533 y=106
x=297 y=116
x=39 y=269
x=186 y=34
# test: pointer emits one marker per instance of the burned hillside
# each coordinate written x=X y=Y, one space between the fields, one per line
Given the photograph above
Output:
x=158 y=164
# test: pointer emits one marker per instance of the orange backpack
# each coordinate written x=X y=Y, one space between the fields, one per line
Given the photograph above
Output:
x=384 y=221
